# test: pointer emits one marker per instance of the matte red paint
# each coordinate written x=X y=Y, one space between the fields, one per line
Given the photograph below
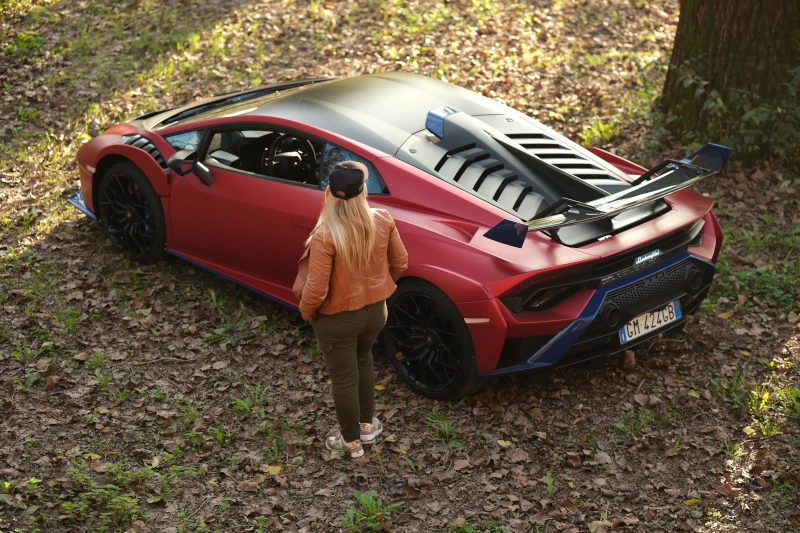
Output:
x=251 y=230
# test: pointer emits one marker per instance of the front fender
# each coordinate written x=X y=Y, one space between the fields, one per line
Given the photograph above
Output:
x=158 y=176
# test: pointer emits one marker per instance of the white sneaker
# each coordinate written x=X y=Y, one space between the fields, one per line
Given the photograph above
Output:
x=337 y=442
x=370 y=432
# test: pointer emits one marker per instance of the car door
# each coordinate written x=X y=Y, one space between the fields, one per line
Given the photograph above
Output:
x=245 y=219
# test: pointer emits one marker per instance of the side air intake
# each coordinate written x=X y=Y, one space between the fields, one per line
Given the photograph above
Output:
x=474 y=169
x=144 y=143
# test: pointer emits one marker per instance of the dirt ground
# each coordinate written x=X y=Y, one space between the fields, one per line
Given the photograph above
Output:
x=164 y=399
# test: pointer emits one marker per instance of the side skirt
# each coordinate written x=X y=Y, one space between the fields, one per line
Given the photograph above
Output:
x=76 y=199
x=237 y=282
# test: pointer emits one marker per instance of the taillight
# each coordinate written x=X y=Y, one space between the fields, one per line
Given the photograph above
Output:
x=536 y=299
x=697 y=232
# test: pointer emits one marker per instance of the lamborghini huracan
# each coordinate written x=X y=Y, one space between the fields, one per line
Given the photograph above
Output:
x=526 y=250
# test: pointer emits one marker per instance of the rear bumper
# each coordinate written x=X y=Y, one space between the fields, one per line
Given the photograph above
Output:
x=76 y=199
x=533 y=345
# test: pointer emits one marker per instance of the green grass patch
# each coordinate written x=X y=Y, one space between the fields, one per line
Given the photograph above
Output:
x=445 y=430
x=25 y=44
x=632 y=424
x=600 y=132
x=369 y=514
x=27 y=114
x=103 y=509
x=778 y=290
x=775 y=283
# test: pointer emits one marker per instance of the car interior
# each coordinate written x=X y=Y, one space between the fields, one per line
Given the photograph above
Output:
x=272 y=154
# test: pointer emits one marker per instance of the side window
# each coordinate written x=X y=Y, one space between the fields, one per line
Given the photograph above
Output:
x=268 y=154
x=185 y=141
x=332 y=155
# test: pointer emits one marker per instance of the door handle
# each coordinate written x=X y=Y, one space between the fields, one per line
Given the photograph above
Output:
x=302 y=223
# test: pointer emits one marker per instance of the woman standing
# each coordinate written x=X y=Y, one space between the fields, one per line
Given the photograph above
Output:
x=354 y=257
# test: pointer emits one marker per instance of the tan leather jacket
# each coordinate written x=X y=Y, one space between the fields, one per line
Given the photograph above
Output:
x=331 y=287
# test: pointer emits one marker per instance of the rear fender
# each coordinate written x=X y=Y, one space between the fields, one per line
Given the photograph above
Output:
x=486 y=326
x=457 y=287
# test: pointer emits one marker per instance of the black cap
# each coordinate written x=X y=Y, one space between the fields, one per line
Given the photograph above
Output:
x=347 y=179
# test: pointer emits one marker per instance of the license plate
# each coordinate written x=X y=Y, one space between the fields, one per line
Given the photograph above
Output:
x=647 y=322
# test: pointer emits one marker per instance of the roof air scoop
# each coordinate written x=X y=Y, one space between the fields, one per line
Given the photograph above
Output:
x=434 y=123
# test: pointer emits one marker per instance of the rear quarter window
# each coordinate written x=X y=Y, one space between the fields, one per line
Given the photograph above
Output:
x=333 y=155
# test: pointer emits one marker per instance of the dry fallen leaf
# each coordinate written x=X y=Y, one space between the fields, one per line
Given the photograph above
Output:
x=603 y=458
x=51 y=383
x=725 y=489
x=248 y=486
x=461 y=464
x=599 y=526
x=519 y=456
x=412 y=492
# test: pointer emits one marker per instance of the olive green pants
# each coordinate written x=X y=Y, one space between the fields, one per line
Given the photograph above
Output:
x=346 y=340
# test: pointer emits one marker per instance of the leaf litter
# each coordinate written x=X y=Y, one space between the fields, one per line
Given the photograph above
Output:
x=136 y=399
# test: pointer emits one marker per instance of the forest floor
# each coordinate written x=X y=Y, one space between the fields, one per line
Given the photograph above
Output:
x=164 y=399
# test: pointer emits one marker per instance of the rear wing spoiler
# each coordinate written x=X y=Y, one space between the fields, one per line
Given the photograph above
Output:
x=673 y=176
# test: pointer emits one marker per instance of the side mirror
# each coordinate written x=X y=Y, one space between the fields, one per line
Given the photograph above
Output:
x=182 y=162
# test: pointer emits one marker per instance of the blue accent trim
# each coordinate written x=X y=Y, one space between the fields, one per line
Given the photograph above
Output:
x=712 y=156
x=239 y=283
x=434 y=122
x=76 y=199
x=552 y=352
x=508 y=232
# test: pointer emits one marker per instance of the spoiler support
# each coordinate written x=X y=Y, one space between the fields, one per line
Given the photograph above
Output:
x=647 y=188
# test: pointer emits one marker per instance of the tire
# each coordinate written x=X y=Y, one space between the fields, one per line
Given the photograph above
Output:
x=131 y=213
x=450 y=371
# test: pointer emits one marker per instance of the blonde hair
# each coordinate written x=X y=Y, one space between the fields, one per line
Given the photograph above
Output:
x=351 y=226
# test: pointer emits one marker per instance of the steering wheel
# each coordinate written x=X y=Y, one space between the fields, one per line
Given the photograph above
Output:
x=290 y=158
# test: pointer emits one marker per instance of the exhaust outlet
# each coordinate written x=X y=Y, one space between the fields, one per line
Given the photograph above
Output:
x=612 y=315
x=694 y=277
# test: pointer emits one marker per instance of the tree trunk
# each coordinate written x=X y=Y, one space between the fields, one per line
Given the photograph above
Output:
x=741 y=44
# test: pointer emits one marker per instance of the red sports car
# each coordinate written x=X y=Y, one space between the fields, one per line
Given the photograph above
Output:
x=525 y=249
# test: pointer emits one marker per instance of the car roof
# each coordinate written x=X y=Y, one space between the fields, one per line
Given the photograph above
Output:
x=378 y=110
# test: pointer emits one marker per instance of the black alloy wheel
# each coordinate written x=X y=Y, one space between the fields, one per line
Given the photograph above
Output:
x=131 y=212
x=428 y=342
